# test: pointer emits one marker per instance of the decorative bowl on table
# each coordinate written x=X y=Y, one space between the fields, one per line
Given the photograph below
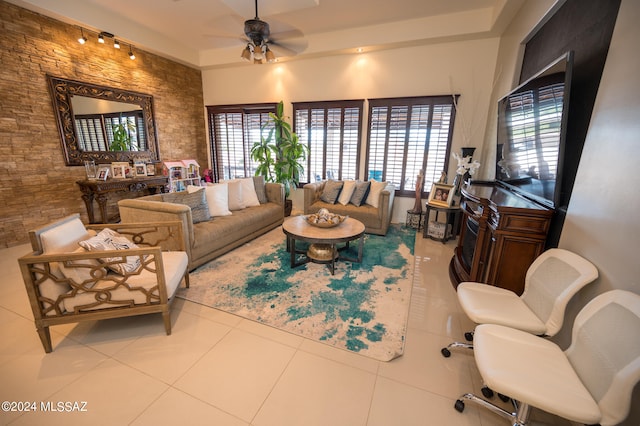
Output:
x=324 y=219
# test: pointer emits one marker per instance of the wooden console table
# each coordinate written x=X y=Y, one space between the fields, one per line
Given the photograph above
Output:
x=99 y=189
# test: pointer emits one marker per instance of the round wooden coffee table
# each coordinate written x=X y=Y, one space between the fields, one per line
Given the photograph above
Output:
x=323 y=241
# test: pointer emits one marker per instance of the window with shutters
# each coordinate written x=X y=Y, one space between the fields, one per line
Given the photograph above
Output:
x=332 y=132
x=406 y=136
x=233 y=129
x=95 y=131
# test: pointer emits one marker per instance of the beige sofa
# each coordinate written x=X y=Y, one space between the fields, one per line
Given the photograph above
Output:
x=375 y=219
x=207 y=240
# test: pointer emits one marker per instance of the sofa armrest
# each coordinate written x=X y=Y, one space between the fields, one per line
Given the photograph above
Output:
x=389 y=196
x=312 y=192
x=385 y=206
x=136 y=210
x=275 y=192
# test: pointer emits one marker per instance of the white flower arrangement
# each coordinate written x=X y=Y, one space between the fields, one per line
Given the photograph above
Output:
x=466 y=165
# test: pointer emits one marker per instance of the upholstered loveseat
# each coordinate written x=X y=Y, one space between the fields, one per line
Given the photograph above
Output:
x=77 y=273
x=207 y=239
x=373 y=208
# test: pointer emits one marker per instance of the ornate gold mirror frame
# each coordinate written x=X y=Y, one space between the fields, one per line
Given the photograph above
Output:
x=63 y=90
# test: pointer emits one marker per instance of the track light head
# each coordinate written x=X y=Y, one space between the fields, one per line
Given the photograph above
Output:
x=82 y=39
x=116 y=44
x=131 y=55
x=100 y=39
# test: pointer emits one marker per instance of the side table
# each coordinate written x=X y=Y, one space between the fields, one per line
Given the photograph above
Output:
x=442 y=231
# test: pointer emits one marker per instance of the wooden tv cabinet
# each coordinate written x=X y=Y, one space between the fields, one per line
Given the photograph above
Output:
x=502 y=233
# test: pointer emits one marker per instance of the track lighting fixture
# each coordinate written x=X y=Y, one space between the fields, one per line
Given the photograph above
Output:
x=101 y=39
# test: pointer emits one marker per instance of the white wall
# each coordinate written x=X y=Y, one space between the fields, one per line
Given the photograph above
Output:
x=465 y=67
x=602 y=220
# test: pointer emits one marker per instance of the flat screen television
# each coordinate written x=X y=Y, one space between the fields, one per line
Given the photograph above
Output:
x=532 y=125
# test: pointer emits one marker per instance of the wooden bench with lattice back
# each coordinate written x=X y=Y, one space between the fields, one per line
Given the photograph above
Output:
x=83 y=273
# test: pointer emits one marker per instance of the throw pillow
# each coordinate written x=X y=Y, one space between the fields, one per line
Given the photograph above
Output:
x=196 y=200
x=261 y=190
x=217 y=195
x=235 y=195
x=249 y=194
x=360 y=192
x=331 y=191
x=347 y=191
x=80 y=270
x=373 y=199
x=108 y=239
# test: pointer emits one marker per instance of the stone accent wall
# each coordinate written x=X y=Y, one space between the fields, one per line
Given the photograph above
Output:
x=36 y=187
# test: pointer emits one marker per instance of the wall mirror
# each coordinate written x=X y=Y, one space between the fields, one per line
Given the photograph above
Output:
x=88 y=116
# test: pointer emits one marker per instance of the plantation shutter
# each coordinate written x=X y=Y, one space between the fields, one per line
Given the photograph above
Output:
x=406 y=136
x=331 y=130
x=233 y=130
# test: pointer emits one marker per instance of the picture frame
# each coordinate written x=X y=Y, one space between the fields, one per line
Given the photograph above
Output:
x=441 y=195
x=151 y=169
x=103 y=172
x=140 y=169
x=119 y=170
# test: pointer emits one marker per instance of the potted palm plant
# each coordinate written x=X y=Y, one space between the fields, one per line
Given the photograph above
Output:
x=280 y=155
x=122 y=136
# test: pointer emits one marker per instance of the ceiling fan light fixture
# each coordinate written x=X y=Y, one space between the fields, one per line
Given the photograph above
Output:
x=247 y=53
x=270 y=57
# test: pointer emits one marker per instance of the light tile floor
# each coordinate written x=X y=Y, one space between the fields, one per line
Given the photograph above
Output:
x=219 y=369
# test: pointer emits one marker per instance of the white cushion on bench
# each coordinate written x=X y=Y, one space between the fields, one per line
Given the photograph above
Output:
x=175 y=263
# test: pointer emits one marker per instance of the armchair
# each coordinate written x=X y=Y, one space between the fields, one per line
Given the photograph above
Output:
x=67 y=284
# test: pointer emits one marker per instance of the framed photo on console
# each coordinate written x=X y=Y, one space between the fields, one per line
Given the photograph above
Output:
x=140 y=169
x=441 y=195
x=103 y=172
x=119 y=170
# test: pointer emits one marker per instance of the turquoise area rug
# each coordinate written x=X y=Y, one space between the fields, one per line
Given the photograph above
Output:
x=363 y=308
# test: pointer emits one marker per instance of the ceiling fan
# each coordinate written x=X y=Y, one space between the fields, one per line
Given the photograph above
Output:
x=258 y=34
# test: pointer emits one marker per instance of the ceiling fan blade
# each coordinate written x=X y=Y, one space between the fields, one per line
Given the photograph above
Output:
x=289 y=47
x=226 y=41
x=286 y=35
x=280 y=50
